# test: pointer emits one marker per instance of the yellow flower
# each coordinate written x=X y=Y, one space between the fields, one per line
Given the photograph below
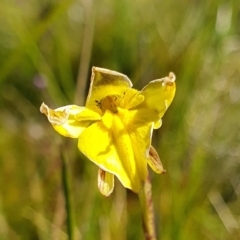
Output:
x=114 y=129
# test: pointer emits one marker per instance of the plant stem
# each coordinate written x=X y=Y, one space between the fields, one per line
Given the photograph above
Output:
x=67 y=194
x=147 y=211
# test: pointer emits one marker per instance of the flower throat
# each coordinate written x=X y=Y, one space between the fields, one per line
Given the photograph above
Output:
x=111 y=103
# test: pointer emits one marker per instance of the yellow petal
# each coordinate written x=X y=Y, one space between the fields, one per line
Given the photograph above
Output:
x=112 y=151
x=131 y=99
x=140 y=133
x=159 y=95
x=105 y=182
x=107 y=119
x=88 y=115
x=155 y=162
x=63 y=120
x=158 y=124
x=140 y=116
x=135 y=124
x=105 y=82
x=130 y=150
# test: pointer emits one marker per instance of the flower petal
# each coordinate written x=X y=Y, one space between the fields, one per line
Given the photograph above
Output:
x=155 y=162
x=131 y=99
x=157 y=124
x=63 y=120
x=107 y=119
x=105 y=82
x=159 y=95
x=88 y=115
x=131 y=153
x=140 y=132
x=112 y=151
x=105 y=182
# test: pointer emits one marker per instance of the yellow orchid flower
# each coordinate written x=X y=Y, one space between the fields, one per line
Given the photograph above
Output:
x=114 y=129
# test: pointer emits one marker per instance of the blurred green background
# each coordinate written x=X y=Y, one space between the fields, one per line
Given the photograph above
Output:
x=47 y=49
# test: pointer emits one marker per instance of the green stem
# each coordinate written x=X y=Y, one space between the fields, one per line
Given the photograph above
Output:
x=147 y=211
x=67 y=194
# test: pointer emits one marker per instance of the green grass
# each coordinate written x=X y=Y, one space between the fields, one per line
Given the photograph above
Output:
x=41 y=52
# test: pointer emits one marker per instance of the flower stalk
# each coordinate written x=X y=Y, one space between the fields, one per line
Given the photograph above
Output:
x=145 y=197
x=67 y=194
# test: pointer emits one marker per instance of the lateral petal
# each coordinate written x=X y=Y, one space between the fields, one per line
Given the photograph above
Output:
x=159 y=95
x=105 y=182
x=63 y=120
x=105 y=82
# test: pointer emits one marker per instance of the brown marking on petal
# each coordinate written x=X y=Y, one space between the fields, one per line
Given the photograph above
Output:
x=104 y=76
x=102 y=173
x=169 y=80
x=170 y=83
